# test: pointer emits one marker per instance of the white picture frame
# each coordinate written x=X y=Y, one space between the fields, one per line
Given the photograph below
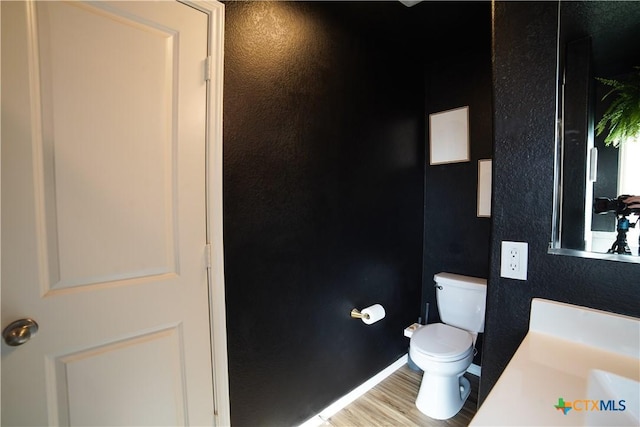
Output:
x=449 y=136
x=484 y=187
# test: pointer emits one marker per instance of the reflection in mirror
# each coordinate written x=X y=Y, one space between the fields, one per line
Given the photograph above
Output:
x=599 y=43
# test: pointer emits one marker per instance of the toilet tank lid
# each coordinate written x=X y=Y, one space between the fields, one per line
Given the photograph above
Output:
x=458 y=279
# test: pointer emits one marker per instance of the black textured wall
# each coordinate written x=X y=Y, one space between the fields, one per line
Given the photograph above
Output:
x=323 y=202
x=456 y=240
x=524 y=111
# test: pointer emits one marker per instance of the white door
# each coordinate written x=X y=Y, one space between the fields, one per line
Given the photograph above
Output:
x=104 y=214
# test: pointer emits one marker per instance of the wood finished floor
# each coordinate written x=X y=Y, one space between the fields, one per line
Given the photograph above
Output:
x=392 y=403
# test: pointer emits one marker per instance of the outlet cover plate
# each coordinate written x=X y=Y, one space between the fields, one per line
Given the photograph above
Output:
x=513 y=262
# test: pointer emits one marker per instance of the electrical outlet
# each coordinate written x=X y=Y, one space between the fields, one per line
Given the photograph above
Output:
x=513 y=263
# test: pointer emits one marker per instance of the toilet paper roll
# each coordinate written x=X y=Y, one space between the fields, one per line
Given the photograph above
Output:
x=376 y=312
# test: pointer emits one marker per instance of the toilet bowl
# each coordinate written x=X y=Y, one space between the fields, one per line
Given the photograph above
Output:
x=445 y=350
x=444 y=353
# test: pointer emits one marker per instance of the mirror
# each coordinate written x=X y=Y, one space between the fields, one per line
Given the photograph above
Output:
x=596 y=40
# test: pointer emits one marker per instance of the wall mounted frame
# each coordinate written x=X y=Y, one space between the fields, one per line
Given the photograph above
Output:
x=449 y=136
x=484 y=188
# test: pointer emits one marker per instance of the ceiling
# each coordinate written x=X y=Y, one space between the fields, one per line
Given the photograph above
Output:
x=438 y=26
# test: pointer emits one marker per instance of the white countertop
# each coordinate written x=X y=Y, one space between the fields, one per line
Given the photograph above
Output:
x=555 y=360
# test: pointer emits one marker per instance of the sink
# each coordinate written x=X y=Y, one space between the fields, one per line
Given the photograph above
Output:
x=619 y=400
x=576 y=366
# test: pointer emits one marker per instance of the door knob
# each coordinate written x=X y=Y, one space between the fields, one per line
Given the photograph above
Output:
x=19 y=332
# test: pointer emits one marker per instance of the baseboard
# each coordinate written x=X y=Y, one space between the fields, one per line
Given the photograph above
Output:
x=474 y=370
x=329 y=411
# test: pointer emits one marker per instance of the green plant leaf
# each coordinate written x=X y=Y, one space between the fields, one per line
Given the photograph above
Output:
x=621 y=120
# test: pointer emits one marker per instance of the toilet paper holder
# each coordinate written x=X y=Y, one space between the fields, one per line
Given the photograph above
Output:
x=355 y=313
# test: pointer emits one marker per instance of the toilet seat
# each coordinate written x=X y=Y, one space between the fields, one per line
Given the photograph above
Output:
x=442 y=342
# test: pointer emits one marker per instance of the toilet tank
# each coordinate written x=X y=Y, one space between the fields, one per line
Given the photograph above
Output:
x=461 y=300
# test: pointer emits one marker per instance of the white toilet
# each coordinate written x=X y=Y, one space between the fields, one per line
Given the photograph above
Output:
x=445 y=350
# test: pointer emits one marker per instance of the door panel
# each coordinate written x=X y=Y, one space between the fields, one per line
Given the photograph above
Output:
x=104 y=113
x=134 y=375
x=116 y=209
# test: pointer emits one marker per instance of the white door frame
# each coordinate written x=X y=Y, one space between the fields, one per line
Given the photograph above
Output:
x=217 y=312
